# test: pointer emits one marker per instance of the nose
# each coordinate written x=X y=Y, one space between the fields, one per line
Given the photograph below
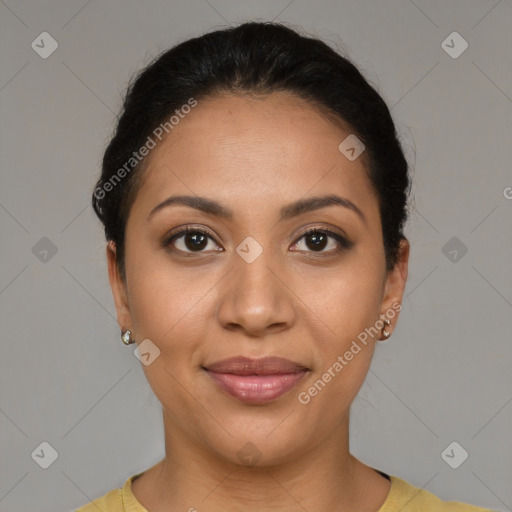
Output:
x=255 y=299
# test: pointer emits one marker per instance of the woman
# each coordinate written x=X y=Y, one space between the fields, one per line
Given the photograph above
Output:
x=253 y=198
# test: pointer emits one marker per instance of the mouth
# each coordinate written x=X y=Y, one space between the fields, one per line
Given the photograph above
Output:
x=256 y=381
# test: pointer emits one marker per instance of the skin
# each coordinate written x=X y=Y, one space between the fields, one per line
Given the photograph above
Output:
x=254 y=156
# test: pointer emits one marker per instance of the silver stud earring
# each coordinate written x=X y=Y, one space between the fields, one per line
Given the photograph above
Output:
x=127 y=337
x=386 y=333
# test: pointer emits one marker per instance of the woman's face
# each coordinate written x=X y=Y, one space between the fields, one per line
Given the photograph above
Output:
x=254 y=286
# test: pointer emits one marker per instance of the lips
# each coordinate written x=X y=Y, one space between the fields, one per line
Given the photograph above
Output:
x=264 y=366
x=256 y=381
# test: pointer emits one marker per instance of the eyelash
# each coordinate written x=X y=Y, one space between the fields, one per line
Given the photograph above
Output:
x=343 y=243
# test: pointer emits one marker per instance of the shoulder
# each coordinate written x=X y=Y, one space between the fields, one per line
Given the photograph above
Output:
x=111 y=502
x=117 y=500
x=408 y=498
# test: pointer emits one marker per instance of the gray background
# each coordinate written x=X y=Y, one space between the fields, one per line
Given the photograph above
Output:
x=66 y=378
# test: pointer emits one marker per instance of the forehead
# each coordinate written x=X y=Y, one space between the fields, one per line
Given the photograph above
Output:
x=253 y=151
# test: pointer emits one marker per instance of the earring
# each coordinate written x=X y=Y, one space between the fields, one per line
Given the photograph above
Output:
x=386 y=333
x=127 y=337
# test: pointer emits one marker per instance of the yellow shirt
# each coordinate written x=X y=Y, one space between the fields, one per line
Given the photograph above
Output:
x=402 y=497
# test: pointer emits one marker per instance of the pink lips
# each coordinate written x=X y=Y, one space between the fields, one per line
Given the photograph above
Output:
x=256 y=381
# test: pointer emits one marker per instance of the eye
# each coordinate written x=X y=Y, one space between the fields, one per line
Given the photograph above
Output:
x=197 y=240
x=193 y=240
x=317 y=240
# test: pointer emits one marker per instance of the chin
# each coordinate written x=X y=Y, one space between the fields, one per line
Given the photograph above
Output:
x=260 y=446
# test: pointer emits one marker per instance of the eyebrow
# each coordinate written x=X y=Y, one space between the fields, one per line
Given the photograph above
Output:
x=287 y=212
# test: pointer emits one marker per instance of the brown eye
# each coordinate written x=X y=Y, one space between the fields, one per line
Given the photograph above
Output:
x=316 y=240
x=191 y=240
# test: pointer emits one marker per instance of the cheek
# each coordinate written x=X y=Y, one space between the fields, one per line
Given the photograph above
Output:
x=169 y=306
x=349 y=304
x=347 y=300
x=172 y=306
x=164 y=296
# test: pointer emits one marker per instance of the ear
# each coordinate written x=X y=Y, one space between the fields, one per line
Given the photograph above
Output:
x=395 y=283
x=118 y=289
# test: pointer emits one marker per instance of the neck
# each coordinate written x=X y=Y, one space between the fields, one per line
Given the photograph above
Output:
x=326 y=477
